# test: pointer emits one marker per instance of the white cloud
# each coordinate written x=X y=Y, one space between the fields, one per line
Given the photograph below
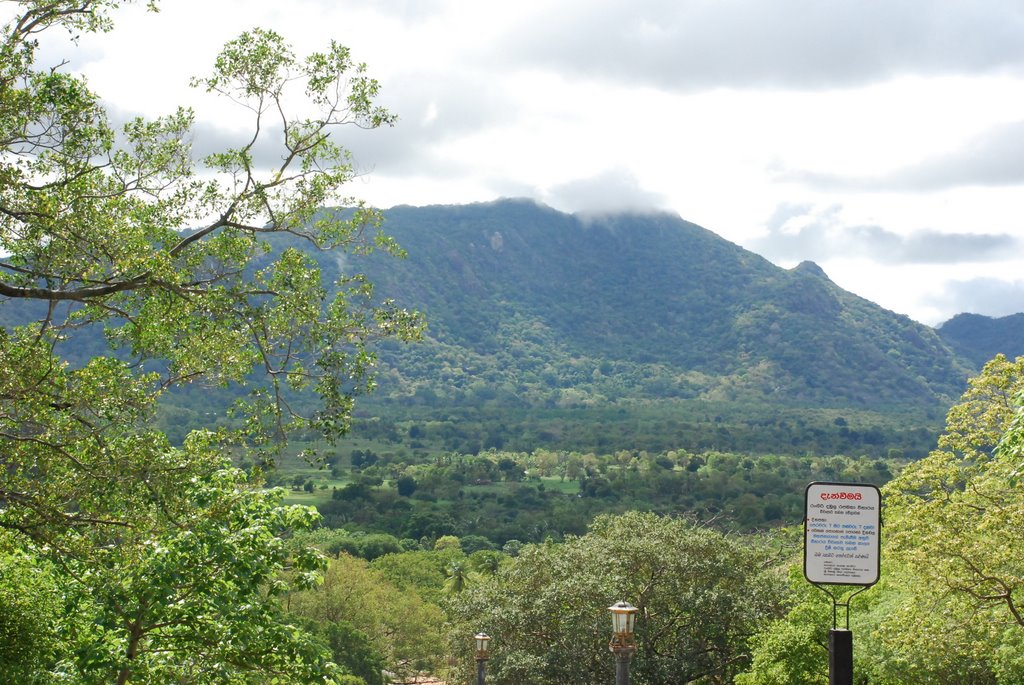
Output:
x=888 y=134
x=798 y=232
x=993 y=158
x=693 y=44
x=988 y=296
x=615 y=190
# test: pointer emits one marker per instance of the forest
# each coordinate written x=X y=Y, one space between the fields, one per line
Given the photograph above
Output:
x=532 y=497
x=720 y=588
x=194 y=489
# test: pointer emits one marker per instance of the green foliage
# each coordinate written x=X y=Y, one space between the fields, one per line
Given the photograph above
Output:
x=365 y=617
x=199 y=588
x=352 y=650
x=701 y=596
x=134 y=558
x=965 y=492
x=793 y=649
x=357 y=544
x=422 y=572
x=470 y=427
x=561 y=492
x=30 y=613
x=673 y=312
x=980 y=338
x=486 y=562
x=709 y=347
x=184 y=591
x=787 y=653
x=461 y=575
x=950 y=531
x=952 y=575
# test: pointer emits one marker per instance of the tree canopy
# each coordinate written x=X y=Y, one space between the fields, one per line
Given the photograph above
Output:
x=700 y=595
x=166 y=559
x=952 y=572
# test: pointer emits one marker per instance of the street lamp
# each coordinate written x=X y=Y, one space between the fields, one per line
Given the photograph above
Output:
x=482 y=655
x=622 y=645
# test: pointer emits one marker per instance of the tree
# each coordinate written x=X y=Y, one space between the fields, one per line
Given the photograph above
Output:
x=406 y=485
x=354 y=598
x=700 y=596
x=420 y=571
x=952 y=575
x=950 y=510
x=30 y=612
x=168 y=559
x=951 y=522
x=487 y=561
x=460 y=576
x=353 y=650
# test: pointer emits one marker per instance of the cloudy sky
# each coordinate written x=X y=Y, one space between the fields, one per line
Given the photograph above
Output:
x=882 y=139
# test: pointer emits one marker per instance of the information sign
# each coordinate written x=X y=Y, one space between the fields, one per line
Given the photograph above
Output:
x=841 y=533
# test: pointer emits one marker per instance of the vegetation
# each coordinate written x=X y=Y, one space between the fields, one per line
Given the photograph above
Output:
x=531 y=497
x=700 y=597
x=526 y=467
x=692 y=425
x=132 y=559
x=687 y=341
x=735 y=608
x=672 y=312
x=370 y=623
x=952 y=575
x=980 y=338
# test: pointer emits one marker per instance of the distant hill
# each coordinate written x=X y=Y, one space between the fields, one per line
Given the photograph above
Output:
x=980 y=338
x=544 y=308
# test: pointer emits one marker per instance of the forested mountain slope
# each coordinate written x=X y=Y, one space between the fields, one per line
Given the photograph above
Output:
x=980 y=338
x=628 y=331
x=533 y=306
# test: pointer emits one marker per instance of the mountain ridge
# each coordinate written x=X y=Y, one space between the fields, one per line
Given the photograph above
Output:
x=623 y=331
x=980 y=338
x=650 y=293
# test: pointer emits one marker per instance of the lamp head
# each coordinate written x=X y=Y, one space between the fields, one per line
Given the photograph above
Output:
x=481 y=644
x=623 y=618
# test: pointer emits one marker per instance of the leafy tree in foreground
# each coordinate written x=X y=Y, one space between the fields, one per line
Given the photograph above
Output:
x=701 y=596
x=954 y=519
x=358 y=611
x=948 y=608
x=166 y=560
x=793 y=649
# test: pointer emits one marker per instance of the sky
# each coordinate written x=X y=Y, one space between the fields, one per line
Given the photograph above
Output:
x=881 y=139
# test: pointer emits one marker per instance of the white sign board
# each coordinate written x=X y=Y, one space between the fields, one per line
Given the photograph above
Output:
x=841 y=533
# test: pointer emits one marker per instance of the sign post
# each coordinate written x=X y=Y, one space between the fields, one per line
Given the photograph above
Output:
x=842 y=524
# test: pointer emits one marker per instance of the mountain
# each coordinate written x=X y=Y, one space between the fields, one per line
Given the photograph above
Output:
x=541 y=308
x=980 y=338
x=623 y=332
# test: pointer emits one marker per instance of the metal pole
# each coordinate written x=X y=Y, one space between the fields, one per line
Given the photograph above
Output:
x=622 y=657
x=840 y=657
x=480 y=667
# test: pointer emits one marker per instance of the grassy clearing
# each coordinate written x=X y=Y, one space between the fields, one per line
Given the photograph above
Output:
x=554 y=483
x=566 y=487
x=314 y=499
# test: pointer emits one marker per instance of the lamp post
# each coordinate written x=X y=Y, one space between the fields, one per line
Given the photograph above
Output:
x=622 y=645
x=482 y=655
